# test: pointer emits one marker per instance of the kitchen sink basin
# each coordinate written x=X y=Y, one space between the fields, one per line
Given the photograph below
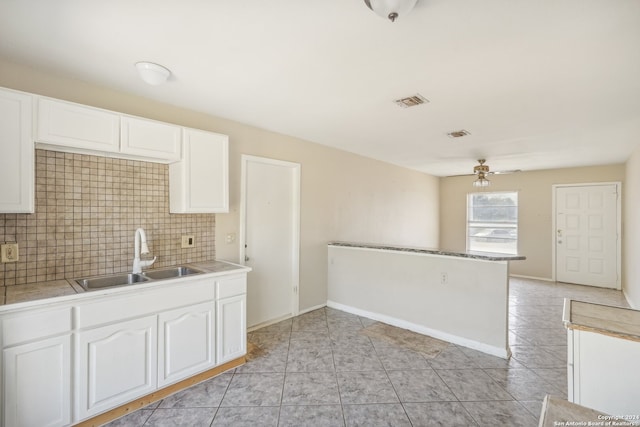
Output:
x=170 y=273
x=94 y=283
x=109 y=281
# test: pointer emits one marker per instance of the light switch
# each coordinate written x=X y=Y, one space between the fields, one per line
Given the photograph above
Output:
x=188 y=242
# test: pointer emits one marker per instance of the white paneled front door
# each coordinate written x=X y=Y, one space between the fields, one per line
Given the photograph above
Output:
x=270 y=236
x=587 y=223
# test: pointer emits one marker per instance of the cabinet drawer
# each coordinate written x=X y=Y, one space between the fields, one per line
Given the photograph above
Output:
x=230 y=287
x=30 y=326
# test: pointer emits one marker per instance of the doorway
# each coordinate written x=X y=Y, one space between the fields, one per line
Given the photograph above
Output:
x=587 y=234
x=270 y=238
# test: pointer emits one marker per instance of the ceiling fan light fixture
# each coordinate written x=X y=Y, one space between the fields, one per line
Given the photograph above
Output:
x=391 y=9
x=482 y=181
x=481 y=170
x=152 y=73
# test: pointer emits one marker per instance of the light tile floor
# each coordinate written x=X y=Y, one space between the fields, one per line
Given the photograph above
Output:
x=317 y=370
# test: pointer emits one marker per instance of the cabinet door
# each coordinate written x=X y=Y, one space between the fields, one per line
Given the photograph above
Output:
x=37 y=383
x=16 y=152
x=73 y=125
x=199 y=183
x=118 y=363
x=186 y=342
x=148 y=138
x=605 y=372
x=231 y=327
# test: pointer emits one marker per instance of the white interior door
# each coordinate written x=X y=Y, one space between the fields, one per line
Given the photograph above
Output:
x=587 y=223
x=270 y=233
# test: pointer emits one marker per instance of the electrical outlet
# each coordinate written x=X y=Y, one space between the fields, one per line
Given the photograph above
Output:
x=231 y=238
x=444 y=278
x=188 y=242
x=9 y=252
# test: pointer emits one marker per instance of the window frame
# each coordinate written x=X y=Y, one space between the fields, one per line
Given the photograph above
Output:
x=468 y=225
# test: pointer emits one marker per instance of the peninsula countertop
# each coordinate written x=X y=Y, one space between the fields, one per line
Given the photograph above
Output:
x=619 y=322
x=64 y=287
x=486 y=256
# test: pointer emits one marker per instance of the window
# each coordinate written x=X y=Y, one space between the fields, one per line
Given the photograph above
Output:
x=492 y=222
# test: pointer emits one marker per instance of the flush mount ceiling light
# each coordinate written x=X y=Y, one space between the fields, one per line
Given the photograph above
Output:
x=391 y=9
x=151 y=73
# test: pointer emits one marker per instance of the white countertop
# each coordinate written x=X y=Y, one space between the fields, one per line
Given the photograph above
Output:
x=30 y=292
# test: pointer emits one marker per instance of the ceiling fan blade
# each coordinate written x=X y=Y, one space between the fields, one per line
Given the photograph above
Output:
x=464 y=174
x=505 y=172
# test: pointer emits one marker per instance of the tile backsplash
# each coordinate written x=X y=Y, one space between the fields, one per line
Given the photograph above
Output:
x=87 y=211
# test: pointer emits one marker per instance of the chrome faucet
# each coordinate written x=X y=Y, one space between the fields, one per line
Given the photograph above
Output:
x=140 y=238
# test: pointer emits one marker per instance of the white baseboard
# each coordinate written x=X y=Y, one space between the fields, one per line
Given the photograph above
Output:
x=630 y=301
x=465 y=342
x=316 y=307
x=520 y=276
x=280 y=319
x=268 y=323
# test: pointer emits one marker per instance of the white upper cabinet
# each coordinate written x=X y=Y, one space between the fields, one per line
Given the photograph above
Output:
x=199 y=183
x=76 y=128
x=72 y=125
x=149 y=138
x=17 y=167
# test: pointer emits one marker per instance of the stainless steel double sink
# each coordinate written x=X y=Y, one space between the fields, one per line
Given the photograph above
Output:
x=123 y=279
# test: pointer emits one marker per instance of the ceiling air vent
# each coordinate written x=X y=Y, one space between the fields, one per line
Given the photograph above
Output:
x=458 y=134
x=411 y=101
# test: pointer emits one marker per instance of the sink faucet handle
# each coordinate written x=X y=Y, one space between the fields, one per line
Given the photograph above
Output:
x=148 y=263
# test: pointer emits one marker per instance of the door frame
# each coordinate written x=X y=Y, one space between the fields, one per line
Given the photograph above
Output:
x=245 y=159
x=554 y=213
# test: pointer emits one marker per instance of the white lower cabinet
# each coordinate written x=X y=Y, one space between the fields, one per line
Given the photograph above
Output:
x=231 y=312
x=186 y=342
x=603 y=372
x=72 y=360
x=232 y=328
x=118 y=363
x=37 y=383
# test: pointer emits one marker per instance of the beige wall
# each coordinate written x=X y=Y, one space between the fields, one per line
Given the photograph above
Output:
x=631 y=231
x=534 y=210
x=343 y=196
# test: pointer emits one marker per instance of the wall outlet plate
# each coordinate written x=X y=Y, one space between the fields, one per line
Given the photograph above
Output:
x=188 y=242
x=9 y=252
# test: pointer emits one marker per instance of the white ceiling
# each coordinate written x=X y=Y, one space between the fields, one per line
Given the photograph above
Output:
x=538 y=83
